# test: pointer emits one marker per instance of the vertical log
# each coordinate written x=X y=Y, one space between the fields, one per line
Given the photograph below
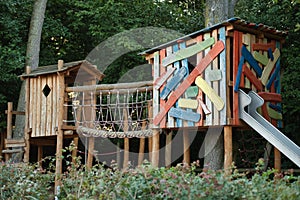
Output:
x=186 y=147
x=277 y=159
x=27 y=114
x=150 y=116
x=74 y=151
x=168 y=151
x=227 y=149
x=126 y=140
x=142 y=146
x=155 y=148
x=60 y=136
x=9 y=125
x=40 y=155
x=90 y=152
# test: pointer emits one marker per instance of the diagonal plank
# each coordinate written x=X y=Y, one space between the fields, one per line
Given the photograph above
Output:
x=187 y=52
x=210 y=93
x=214 y=52
x=250 y=59
x=269 y=67
x=162 y=79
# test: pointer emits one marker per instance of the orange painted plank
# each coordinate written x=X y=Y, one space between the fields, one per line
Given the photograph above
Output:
x=255 y=81
x=262 y=47
x=267 y=96
x=162 y=55
x=213 y=53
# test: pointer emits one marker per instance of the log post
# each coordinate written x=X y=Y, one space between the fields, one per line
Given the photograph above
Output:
x=40 y=155
x=168 y=151
x=74 y=151
x=186 y=147
x=155 y=148
x=126 y=140
x=142 y=146
x=227 y=149
x=27 y=105
x=277 y=159
x=9 y=126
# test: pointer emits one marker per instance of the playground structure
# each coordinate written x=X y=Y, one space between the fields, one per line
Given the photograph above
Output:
x=199 y=81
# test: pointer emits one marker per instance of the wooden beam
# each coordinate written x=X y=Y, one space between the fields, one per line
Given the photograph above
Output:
x=74 y=151
x=227 y=149
x=186 y=147
x=155 y=148
x=126 y=140
x=168 y=149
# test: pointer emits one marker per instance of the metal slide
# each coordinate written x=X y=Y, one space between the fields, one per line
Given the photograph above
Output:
x=251 y=102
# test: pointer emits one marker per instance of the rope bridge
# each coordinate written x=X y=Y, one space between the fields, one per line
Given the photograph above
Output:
x=122 y=110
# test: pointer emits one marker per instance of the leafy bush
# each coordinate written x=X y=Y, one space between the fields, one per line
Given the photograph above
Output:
x=145 y=182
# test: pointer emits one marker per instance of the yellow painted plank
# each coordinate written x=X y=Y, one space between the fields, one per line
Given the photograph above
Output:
x=268 y=69
x=210 y=93
x=188 y=103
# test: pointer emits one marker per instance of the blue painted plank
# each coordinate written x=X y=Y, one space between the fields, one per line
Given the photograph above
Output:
x=270 y=54
x=274 y=75
x=239 y=74
x=250 y=59
x=174 y=81
x=184 y=114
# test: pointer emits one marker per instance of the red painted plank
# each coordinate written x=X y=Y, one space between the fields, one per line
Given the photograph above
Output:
x=262 y=47
x=255 y=81
x=267 y=96
x=236 y=57
x=214 y=52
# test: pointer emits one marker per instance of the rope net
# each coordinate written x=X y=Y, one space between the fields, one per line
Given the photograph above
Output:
x=113 y=113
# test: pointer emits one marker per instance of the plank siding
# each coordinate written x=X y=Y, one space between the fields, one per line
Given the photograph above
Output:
x=199 y=57
x=222 y=88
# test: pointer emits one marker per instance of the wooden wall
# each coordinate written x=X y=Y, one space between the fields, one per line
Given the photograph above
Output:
x=44 y=111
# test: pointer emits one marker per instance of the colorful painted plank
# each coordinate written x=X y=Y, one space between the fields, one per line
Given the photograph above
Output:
x=214 y=52
x=210 y=93
x=274 y=75
x=184 y=114
x=275 y=107
x=262 y=47
x=187 y=103
x=260 y=58
x=174 y=81
x=270 y=54
x=256 y=82
x=162 y=55
x=213 y=75
x=163 y=78
x=188 y=52
x=239 y=74
x=170 y=50
x=204 y=107
x=249 y=58
x=192 y=91
x=177 y=66
x=268 y=96
x=247 y=41
x=269 y=67
x=274 y=114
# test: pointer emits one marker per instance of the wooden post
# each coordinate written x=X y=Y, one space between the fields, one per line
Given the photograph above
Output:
x=150 y=116
x=27 y=114
x=168 y=151
x=155 y=148
x=9 y=125
x=90 y=157
x=118 y=154
x=74 y=151
x=227 y=149
x=60 y=133
x=126 y=140
x=40 y=155
x=142 y=146
x=186 y=147
x=277 y=159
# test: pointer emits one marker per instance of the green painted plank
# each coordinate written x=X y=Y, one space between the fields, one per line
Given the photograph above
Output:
x=274 y=114
x=188 y=52
x=213 y=75
x=192 y=91
x=188 y=103
x=263 y=59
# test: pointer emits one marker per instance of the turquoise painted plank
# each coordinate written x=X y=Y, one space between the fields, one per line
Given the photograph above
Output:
x=223 y=84
x=250 y=59
x=239 y=74
x=192 y=91
x=184 y=114
x=188 y=52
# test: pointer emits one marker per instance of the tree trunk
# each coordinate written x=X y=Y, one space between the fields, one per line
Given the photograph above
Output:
x=32 y=59
x=216 y=11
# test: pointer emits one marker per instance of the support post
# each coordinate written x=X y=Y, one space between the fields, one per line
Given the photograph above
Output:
x=227 y=149
x=142 y=146
x=277 y=159
x=126 y=140
x=9 y=126
x=155 y=148
x=186 y=147
x=168 y=151
x=74 y=151
x=40 y=155
x=90 y=153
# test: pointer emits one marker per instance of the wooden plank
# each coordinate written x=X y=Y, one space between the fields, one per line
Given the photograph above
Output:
x=49 y=107
x=163 y=78
x=174 y=81
x=239 y=74
x=186 y=148
x=31 y=99
x=155 y=148
x=249 y=58
x=223 y=84
x=274 y=114
x=171 y=120
x=168 y=150
x=255 y=81
x=44 y=108
x=260 y=58
x=156 y=98
x=247 y=41
x=54 y=104
x=262 y=47
x=33 y=107
x=274 y=75
x=9 y=129
x=13 y=143
x=184 y=114
x=198 y=92
x=213 y=75
x=236 y=58
x=228 y=149
x=38 y=106
x=215 y=84
x=229 y=72
x=162 y=54
x=214 y=52
x=269 y=67
x=187 y=103
x=188 y=52
x=268 y=96
x=192 y=91
x=210 y=92
x=209 y=118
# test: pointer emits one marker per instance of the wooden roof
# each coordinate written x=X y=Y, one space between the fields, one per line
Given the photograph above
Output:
x=236 y=23
x=67 y=67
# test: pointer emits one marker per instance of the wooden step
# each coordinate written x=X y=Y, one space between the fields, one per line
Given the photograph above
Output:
x=14 y=143
x=12 y=151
